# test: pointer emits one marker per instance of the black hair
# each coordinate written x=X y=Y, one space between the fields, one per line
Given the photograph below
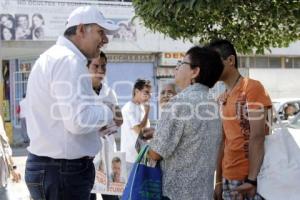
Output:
x=209 y=62
x=225 y=48
x=140 y=84
x=103 y=55
x=70 y=31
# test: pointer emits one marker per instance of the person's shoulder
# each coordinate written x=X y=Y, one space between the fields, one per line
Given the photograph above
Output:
x=59 y=52
x=252 y=84
x=127 y=106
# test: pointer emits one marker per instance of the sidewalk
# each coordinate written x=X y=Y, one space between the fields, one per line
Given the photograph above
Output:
x=17 y=191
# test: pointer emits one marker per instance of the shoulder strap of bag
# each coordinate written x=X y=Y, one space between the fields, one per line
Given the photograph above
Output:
x=142 y=153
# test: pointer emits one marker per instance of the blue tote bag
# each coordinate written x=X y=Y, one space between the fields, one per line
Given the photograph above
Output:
x=144 y=182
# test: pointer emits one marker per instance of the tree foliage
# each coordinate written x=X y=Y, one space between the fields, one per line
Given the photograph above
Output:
x=249 y=24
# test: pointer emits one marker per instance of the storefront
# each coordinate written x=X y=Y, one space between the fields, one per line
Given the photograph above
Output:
x=34 y=26
x=122 y=71
x=166 y=66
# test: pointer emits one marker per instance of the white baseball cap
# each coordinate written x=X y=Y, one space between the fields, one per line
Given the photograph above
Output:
x=89 y=15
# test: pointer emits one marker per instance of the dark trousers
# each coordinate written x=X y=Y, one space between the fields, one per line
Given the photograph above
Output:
x=59 y=179
x=104 y=197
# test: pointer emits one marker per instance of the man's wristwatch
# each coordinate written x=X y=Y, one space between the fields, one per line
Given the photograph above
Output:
x=252 y=182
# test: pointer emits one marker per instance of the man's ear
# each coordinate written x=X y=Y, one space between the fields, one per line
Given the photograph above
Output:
x=231 y=60
x=80 y=30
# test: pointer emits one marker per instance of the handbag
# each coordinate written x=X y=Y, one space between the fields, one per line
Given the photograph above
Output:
x=145 y=182
x=280 y=171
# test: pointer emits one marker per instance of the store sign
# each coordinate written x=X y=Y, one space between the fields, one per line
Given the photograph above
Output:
x=170 y=58
x=137 y=58
x=46 y=19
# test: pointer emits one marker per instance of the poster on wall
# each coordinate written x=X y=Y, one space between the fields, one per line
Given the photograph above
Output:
x=46 y=19
x=5 y=110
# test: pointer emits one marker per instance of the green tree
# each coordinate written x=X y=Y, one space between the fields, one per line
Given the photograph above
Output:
x=250 y=24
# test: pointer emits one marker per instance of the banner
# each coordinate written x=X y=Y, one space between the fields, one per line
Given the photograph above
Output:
x=46 y=19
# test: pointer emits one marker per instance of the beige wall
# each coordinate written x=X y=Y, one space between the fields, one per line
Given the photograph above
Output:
x=280 y=83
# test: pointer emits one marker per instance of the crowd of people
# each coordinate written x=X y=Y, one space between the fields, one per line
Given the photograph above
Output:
x=69 y=107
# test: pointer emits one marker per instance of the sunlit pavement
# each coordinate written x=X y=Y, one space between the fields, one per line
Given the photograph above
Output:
x=17 y=191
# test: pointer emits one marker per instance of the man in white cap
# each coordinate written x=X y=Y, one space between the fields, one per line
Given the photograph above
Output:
x=63 y=119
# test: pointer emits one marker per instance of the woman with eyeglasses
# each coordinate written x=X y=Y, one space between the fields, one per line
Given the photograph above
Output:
x=189 y=131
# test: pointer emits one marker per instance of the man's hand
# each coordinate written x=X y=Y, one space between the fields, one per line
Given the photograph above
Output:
x=245 y=190
x=16 y=176
x=118 y=118
x=148 y=133
x=218 y=192
x=108 y=130
x=117 y=113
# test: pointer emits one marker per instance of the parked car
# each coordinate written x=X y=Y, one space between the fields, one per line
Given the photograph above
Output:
x=286 y=108
x=294 y=128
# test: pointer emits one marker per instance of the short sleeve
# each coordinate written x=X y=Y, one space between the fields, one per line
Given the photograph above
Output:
x=168 y=132
x=257 y=96
x=132 y=114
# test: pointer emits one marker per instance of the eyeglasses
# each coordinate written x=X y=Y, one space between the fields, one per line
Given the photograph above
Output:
x=180 y=63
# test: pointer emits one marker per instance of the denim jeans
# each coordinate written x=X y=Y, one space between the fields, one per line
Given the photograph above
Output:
x=59 y=179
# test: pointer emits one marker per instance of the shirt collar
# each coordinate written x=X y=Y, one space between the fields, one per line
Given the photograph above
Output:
x=196 y=86
x=70 y=45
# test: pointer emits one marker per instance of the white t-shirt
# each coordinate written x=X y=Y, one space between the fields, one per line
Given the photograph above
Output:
x=107 y=94
x=133 y=114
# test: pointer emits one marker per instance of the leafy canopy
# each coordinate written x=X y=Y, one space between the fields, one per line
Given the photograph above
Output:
x=249 y=24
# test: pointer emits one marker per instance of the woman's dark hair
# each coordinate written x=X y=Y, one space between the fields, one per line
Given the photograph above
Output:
x=12 y=32
x=140 y=84
x=225 y=48
x=209 y=62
